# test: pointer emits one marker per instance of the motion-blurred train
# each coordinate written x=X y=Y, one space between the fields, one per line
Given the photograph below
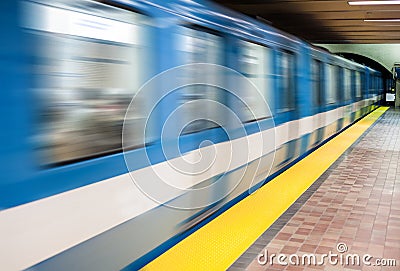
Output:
x=76 y=196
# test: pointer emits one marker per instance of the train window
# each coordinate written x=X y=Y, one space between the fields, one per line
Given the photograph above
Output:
x=331 y=75
x=347 y=84
x=375 y=85
x=286 y=81
x=316 y=70
x=87 y=76
x=358 y=84
x=254 y=63
x=364 y=87
x=372 y=89
x=197 y=45
x=370 y=85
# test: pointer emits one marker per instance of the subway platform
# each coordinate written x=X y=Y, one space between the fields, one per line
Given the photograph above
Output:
x=355 y=203
x=343 y=199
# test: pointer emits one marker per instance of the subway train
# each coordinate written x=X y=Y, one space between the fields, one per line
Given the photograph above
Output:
x=127 y=124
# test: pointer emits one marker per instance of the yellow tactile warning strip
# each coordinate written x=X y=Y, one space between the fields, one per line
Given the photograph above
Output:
x=219 y=243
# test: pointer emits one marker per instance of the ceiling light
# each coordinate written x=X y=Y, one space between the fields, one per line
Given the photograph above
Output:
x=369 y=3
x=382 y=20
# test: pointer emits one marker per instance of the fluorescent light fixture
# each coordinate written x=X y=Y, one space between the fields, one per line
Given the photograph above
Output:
x=382 y=20
x=370 y=3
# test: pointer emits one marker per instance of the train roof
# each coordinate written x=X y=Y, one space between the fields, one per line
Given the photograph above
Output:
x=235 y=23
x=211 y=14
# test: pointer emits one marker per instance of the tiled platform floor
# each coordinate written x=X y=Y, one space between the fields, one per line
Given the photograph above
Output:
x=356 y=202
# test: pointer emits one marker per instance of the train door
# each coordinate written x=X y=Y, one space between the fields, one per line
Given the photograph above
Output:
x=287 y=117
x=358 y=95
x=200 y=119
x=254 y=62
x=332 y=99
x=346 y=98
x=317 y=78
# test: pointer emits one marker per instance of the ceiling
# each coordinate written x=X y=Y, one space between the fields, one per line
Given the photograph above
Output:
x=325 y=21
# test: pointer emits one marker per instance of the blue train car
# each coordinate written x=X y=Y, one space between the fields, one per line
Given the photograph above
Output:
x=129 y=124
